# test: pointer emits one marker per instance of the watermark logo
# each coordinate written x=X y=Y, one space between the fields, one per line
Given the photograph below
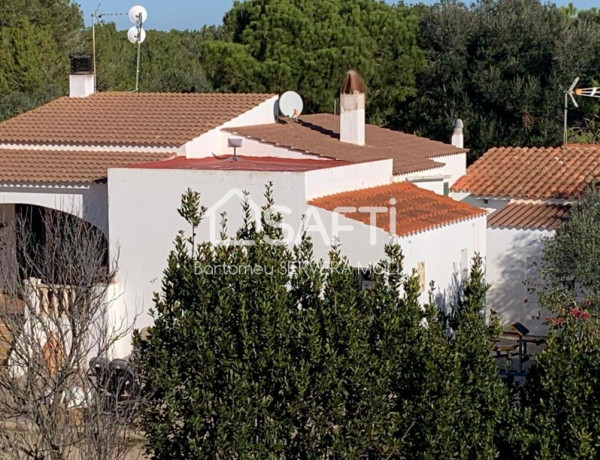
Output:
x=367 y=222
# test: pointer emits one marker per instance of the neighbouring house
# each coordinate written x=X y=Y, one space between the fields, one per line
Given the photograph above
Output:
x=527 y=193
x=121 y=162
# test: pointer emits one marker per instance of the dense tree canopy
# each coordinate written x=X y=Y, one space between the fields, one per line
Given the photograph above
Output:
x=261 y=351
x=500 y=65
x=308 y=45
x=557 y=414
x=36 y=37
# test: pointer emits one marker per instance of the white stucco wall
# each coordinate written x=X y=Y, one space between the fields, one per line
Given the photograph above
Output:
x=144 y=221
x=443 y=250
x=489 y=204
x=215 y=140
x=511 y=258
x=89 y=202
x=253 y=148
x=454 y=165
x=328 y=181
x=433 y=185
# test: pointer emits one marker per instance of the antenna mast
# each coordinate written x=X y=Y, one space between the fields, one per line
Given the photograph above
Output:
x=97 y=17
x=571 y=92
x=137 y=35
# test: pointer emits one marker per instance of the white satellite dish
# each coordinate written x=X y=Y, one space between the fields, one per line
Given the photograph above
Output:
x=136 y=35
x=290 y=104
x=135 y=12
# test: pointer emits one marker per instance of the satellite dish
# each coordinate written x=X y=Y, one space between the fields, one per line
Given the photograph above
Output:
x=134 y=14
x=290 y=104
x=136 y=35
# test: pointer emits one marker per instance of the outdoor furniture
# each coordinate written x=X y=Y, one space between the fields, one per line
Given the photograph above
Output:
x=503 y=351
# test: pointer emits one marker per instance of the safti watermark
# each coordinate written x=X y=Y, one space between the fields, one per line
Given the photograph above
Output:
x=328 y=225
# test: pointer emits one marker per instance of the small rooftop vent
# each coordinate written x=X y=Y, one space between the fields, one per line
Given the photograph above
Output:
x=82 y=81
x=81 y=63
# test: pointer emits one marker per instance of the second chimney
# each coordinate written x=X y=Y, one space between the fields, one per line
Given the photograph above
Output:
x=81 y=79
x=352 y=109
x=457 y=134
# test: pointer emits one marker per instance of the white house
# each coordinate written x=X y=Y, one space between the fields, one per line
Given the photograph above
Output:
x=121 y=161
x=528 y=193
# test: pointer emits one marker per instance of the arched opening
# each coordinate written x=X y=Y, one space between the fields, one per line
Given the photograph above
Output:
x=52 y=264
x=46 y=238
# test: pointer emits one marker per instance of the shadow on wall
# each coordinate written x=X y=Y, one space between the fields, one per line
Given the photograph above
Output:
x=509 y=295
x=446 y=299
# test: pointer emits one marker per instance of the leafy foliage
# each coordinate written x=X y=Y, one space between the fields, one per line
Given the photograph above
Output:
x=35 y=40
x=559 y=416
x=502 y=67
x=308 y=45
x=571 y=258
x=259 y=351
x=557 y=410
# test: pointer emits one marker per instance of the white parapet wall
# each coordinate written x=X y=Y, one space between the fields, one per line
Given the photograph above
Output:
x=455 y=166
x=328 y=181
x=144 y=221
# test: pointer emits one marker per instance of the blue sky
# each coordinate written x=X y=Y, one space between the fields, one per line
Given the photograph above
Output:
x=193 y=14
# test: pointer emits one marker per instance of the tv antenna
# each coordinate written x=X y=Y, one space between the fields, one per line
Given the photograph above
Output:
x=234 y=143
x=136 y=35
x=97 y=18
x=570 y=93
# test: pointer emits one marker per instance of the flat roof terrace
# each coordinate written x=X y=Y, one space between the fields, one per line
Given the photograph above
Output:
x=243 y=163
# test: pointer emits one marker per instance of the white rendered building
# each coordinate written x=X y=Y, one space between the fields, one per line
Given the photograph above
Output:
x=121 y=161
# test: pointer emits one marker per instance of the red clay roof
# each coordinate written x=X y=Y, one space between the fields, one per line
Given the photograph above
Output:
x=23 y=165
x=127 y=119
x=541 y=216
x=519 y=172
x=243 y=163
x=416 y=209
x=320 y=135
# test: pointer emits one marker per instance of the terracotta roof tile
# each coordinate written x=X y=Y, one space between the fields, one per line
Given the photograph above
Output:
x=320 y=135
x=21 y=165
x=416 y=209
x=540 y=216
x=127 y=119
x=519 y=172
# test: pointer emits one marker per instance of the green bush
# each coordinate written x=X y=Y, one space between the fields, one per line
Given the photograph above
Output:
x=302 y=363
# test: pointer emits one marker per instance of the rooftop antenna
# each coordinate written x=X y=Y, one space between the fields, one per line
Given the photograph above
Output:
x=571 y=93
x=97 y=18
x=234 y=143
x=291 y=105
x=136 y=35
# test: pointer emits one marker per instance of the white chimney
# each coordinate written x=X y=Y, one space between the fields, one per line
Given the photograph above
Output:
x=457 y=135
x=352 y=109
x=82 y=81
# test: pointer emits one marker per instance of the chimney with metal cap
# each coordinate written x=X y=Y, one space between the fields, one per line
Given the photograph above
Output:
x=352 y=109
x=81 y=78
x=457 y=134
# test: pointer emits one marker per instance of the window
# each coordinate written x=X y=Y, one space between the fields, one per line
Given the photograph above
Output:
x=364 y=278
x=421 y=275
x=446 y=189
